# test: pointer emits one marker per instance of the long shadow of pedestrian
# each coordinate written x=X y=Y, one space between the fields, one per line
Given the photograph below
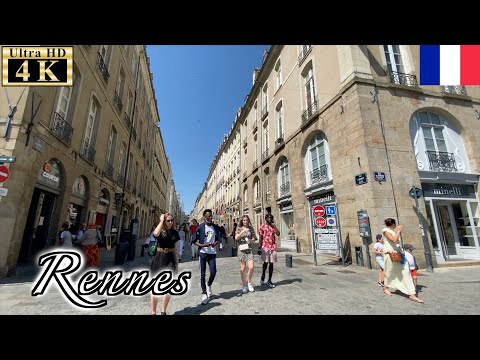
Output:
x=420 y=288
x=197 y=310
x=279 y=283
x=227 y=294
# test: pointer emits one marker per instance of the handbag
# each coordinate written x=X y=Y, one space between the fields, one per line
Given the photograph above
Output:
x=243 y=247
x=152 y=249
x=395 y=256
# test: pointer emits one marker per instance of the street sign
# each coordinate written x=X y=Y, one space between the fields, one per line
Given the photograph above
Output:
x=330 y=209
x=379 y=176
x=3 y=192
x=415 y=193
x=361 y=179
x=331 y=221
x=7 y=159
x=319 y=210
x=320 y=222
x=4 y=174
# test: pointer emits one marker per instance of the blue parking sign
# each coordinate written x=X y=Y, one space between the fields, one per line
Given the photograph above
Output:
x=330 y=210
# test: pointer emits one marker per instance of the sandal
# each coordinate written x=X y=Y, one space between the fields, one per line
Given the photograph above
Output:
x=416 y=299
x=387 y=292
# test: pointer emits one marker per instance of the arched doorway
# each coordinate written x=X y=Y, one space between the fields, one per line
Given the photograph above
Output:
x=77 y=213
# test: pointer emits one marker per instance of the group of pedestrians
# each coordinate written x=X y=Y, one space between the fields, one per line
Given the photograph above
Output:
x=398 y=268
x=87 y=238
x=204 y=239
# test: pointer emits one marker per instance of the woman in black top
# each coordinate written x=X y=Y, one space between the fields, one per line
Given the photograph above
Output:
x=167 y=255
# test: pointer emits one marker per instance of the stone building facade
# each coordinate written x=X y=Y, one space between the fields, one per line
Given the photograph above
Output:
x=334 y=138
x=90 y=153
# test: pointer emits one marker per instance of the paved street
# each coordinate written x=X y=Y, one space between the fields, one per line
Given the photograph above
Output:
x=304 y=289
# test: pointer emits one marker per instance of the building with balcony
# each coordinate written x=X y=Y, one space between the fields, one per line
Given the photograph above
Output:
x=327 y=131
x=92 y=152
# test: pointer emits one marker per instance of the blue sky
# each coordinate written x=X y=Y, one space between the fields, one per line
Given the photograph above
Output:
x=199 y=89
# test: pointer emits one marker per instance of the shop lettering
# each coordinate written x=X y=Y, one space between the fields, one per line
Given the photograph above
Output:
x=60 y=266
x=443 y=191
x=50 y=176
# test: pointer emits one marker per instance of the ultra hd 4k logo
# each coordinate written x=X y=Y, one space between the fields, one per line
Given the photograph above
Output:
x=37 y=65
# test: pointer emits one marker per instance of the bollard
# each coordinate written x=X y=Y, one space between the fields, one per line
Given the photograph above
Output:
x=288 y=260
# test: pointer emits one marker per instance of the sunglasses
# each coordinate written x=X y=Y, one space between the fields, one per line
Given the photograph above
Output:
x=170 y=220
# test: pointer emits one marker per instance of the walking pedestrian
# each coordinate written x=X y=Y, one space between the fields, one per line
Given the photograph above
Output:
x=182 y=233
x=89 y=242
x=193 y=246
x=378 y=251
x=412 y=265
x=397 y=273
x=206 y=238
x=166 y=257
x=245 y=235
x=268 y=248
x=66 y=236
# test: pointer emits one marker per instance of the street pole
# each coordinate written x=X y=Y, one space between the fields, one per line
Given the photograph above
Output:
x=416 y=192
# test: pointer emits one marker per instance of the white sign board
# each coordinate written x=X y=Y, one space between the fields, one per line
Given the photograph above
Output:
x=3 y=192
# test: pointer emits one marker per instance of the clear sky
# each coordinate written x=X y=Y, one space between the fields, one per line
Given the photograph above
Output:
x=199 y=89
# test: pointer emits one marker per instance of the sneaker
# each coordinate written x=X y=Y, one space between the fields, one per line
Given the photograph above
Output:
x=209 y=291
x=250 y=287
x=380 y=284
x=270 y=284
x=204 y=299
x=245 y=290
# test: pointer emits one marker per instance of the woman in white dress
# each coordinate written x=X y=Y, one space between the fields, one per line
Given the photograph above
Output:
x=397 y=275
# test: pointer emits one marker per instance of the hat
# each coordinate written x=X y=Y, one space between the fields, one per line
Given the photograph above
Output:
x=378 y=237
x=408 y=247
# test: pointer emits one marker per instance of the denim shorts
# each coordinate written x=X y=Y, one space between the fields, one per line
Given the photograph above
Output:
x=380 y=261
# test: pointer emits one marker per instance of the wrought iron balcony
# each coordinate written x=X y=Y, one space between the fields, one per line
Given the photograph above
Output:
x=102 y=67
x=118 y=101
x=285 y=189
x=442 y=161
x=264 y=113
x=311 y=110
x=265 y=155
x=109 y=170
x=61 y=128
x=127 y=121
x=257 y=202
x=455 y=89
x=304 y=53
x=88 y=152
x=319 y=175
x=403 y=79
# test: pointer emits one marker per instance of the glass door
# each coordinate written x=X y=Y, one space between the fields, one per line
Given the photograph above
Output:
x=447 y=235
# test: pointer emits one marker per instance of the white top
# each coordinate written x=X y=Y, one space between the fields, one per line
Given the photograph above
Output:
x=66 y=236
x=379 y=247
x=210 y=238
x=410 y=259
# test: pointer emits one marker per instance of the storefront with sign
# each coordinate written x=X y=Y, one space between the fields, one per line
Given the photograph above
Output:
x=453 y=220
x=44 y=213
x=324 y=222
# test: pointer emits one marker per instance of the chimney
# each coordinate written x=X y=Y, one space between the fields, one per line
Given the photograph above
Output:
x=256 y=71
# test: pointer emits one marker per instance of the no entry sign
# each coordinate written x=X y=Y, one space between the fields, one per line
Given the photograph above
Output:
x=4 y=173
x=318 y=210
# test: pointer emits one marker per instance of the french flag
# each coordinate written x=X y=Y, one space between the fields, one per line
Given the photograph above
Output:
x=449 y=64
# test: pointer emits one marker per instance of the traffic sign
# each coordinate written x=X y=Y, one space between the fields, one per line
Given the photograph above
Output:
x=7 y=159
x=330 y=209
x=415 y=193
x=331 y=221
x=3 y=192
x=319 y=210
x=320 y=222
x=4 y=173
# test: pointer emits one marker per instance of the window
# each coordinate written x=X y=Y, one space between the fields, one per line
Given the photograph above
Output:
x=310 y=100
x=432 y=131
x=64 y=100
x=256 y=112
x=279 y=117
x=264 y=100
x=256 y=191
x=316 y=160
x=393 y=58
x=283 y=179
x=103 y=53
x=265 y=138
x=111 y=145
x=267 y=181
x=92 y=116
x=121 y=159
x=120 y=84
x=278 y=75
x=245 y=197
x=255 y=150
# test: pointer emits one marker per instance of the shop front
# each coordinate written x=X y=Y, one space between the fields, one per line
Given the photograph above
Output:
x=453 y=220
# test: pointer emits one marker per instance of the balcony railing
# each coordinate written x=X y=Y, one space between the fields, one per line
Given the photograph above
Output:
x=257 y=201
x=319 y=175
x=285 y=189
x=455 y=89
x=304 y=53
x=109 y=170
x=311 y=110
x=255 y=164
x=403 y=79
x=88 y=152
x=118 y=101
x=265 y=155
x=442 y=161
x=62 y=129
x=102 y=67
